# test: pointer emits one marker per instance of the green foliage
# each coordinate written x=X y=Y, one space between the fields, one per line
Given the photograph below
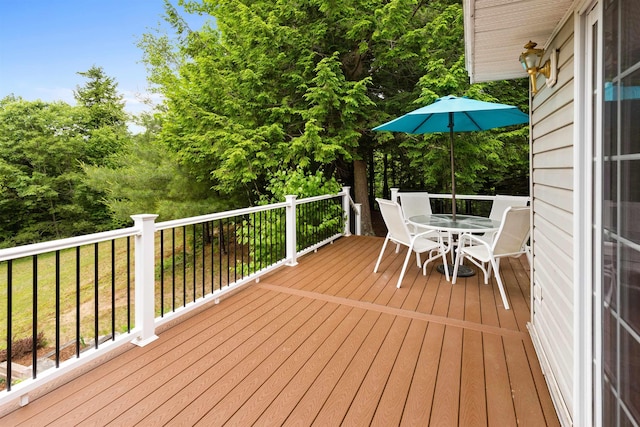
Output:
x=486 y=162
x=300 y=184
x=319 y=219
x=148 y=179
x=104 y=123
x=44 y=147
x=42 y=193
x=277 y=86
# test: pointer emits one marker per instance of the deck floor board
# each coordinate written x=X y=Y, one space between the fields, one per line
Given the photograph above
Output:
x=327 y=342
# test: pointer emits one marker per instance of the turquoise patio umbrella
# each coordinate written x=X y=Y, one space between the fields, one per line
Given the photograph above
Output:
x=456 y=114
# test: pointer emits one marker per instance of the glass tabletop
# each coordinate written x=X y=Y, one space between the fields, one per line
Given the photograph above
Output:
x=463 y=223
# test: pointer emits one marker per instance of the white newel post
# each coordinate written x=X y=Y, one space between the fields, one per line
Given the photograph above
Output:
x=145 y=278
x=394 y=194
x=347 y=210
x=291 y=230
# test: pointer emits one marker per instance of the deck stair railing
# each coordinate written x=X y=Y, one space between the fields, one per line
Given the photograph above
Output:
x=90 y=294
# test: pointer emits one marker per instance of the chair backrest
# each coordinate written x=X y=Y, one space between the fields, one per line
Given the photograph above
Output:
x=501 y=203
x=415 y=204
x=397 y=227
x=514 y=231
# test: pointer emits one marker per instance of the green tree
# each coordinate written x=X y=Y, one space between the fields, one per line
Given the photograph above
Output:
x=106 y=121
x=288 y=85
x=42 y=190
x=147 y=178
x=486 y=162
x=277 y=86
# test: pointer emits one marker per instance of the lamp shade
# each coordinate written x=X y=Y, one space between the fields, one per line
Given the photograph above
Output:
x=531 y=57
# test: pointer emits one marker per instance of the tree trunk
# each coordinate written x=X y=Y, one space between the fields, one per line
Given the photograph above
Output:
x=385 y=177
x=362 y=195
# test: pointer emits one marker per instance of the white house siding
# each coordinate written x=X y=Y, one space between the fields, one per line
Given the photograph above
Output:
x=552 y=204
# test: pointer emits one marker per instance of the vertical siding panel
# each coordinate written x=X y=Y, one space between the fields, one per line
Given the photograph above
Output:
x=552 y=202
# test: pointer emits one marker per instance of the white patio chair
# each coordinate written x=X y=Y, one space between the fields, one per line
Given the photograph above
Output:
x=398 y=233
x=414 y=204
x=500 y=204
x=509 y=241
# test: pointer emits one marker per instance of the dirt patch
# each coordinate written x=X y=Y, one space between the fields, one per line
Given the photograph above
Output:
x=46 y=359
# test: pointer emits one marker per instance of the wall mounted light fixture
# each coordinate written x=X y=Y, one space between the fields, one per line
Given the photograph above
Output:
x=531 y=60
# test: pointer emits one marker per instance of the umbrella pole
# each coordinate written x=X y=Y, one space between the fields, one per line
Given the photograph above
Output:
x=453 y=175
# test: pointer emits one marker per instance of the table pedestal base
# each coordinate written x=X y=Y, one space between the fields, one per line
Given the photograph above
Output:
x=463 y=270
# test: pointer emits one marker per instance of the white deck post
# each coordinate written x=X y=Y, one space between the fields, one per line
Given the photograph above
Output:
x=346 y=209
x=358 y=219
x=145 y=280
x=394 y=194
x=291 y=230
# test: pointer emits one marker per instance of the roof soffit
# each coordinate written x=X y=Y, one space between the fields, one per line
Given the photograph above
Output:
x=497 y=30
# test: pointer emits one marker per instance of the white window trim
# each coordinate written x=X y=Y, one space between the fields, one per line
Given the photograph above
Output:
x=587 y=387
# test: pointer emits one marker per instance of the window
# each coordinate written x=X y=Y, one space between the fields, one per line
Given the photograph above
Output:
x=620 y=306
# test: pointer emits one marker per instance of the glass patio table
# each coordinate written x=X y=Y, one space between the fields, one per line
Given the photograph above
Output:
x=462 y=224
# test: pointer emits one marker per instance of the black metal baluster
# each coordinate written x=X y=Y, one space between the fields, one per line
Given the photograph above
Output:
x=57 y=310
x=184 y=265
x=113 y=290
x=34 y=319
x=128 y=283
x=195 y=254
x=255 y=251
x=96 y=276
x=220 y=246
x=161 y=273
x=299 y=213
x=283 y=233
x=204 y=234
x=315 y=211
x=173 y=269
x=228 y=253
x=9 y=323
x=271 y=236
x=260 y=240
x=241 y=246
x=78 y=338
x=213 y=249
x=319 y=213
x=235 y=251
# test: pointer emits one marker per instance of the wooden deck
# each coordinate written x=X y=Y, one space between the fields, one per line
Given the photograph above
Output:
x=327 y=343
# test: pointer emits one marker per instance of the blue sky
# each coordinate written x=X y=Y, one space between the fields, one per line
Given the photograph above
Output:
x=44 y=43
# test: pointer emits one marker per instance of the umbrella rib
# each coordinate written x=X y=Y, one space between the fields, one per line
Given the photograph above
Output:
x=473 y=121
x=422 y=123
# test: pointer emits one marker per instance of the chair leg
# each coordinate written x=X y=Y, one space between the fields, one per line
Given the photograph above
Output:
x=404 y=266
x=446 y=266
x=456 y=264
x=496 y=271
x=384 y=246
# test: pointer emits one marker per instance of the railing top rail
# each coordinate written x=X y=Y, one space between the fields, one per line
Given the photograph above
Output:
x=460 y=196
x=218 y=215
x=237 y=212
x=71 y=242
x=61 y=244
x=317 y=198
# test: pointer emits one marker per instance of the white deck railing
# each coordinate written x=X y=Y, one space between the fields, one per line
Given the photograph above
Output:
x=263 y=238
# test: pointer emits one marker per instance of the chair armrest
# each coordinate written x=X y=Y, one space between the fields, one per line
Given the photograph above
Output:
x=473 y=240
